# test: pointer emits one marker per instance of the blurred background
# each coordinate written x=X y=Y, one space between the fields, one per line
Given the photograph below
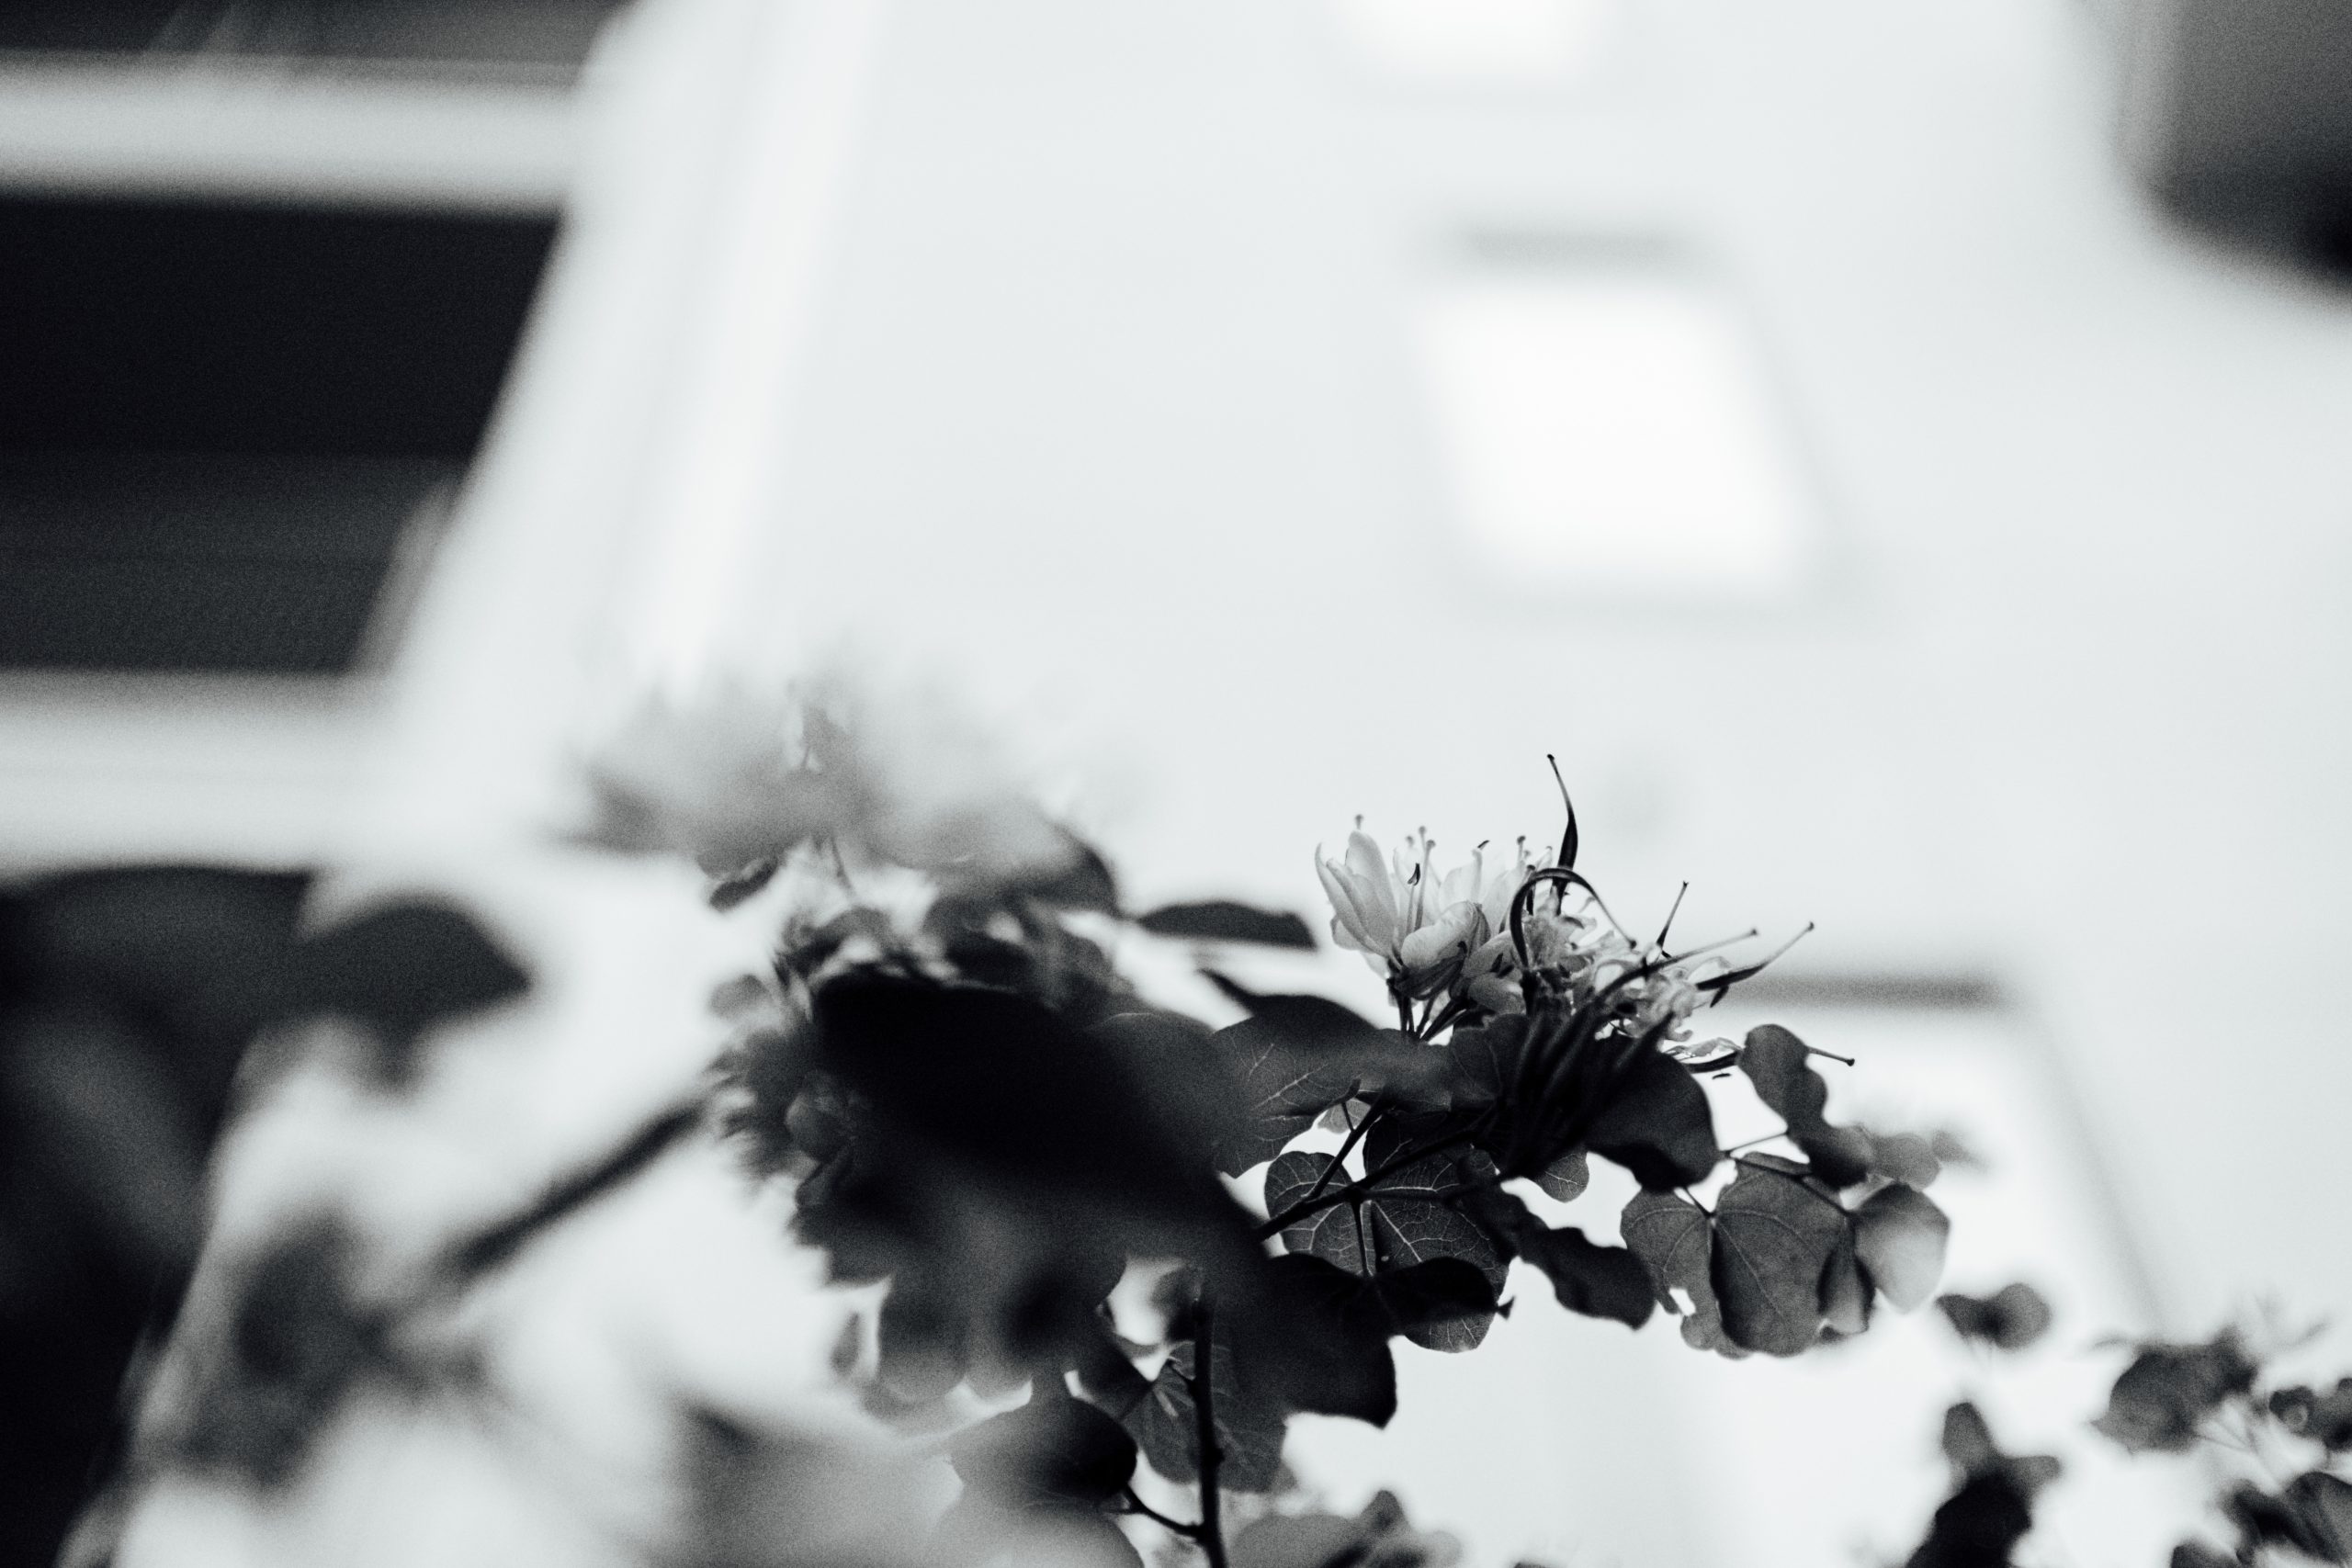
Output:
x=1898 y=456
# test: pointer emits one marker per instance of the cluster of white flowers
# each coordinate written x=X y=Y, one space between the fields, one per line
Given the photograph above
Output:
x=1433 y=932
x=1425 y=931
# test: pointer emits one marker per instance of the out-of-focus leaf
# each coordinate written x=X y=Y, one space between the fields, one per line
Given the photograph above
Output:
x=2312 y=1517
x=1773 y=1239
x=1776 y=1062
x=1658 y=1125
x=1899 y=1234
x=2161 y=1398
x=2325 y=1418
x=403 y=970
x=1314 y=1338
x=1222 y=919
x=2197 y=1554
x=1379 y=1537
x=1249 y=1431
x=1991 y=1508
x=2011 y=1319
x=1053 y=1451
x=1587 y=1278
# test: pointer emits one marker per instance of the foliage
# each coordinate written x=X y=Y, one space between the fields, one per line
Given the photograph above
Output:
x=974 y=1105
x=2281 y=1446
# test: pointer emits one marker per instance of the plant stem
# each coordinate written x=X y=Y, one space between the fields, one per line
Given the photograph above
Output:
x=1355 y=1134
x=1136 y=1505
x=1211 y=1531
x=1357 y=1189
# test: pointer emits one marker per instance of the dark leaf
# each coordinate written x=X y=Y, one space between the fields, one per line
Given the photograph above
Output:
x=1315 y=1338
x=1774 y=1240
x=2011 y=1319
x=2325 y=1418
x=1410 y=1216
x=1658 y=1125
x=2167 y=1392
x=402 y=971
x=2313 y=1516
x=1899 y=1236
x=1296 y=1057
x=733 y=887
x=1379 y=1537
x=1599 y=1282
x=1249 y=1431
x=2197 y=1554
x=1844 y=1290
x=1992 y=1509
x=1442 y=1293
x=1053 y=1451
x=1675 y=1240
x=1333 y=1233
x=1221 y=919
x=1776 y=1061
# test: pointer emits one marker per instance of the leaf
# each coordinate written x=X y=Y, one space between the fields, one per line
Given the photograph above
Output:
x=1775 y=1060
x=2312 y=1517
x=1565 y=1178
x=2325 y=1418
x=2011 y=1319
x=2161 y=1398
x=1675 y=1240
x=1658 y=1125
x=1313 y=1340
x=1296 y=1057
x=1408 y=1218
x=1991 y=1508
x=1379 y=1537
x=1222 y=919
x=1844 y=1290
x=1587 y=1278
x=1773 y=1239
x=1899 y=1236
x=403 y=970
x=1053 y=1451
x=1166 y=1424
x=1330 y=1233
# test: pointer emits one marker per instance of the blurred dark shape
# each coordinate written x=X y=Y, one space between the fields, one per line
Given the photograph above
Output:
x=2238 y=113
x=535 y=35
x=1379 y=1537
x=988 y=1156
x=1991 y=1507
x=2167 y=1392
x=300 y=1342
x=756 y=1496
x=125 y=999
x=2311 y=1517
x=220 y=421
x=2011 y=1319
x=2325 y=1418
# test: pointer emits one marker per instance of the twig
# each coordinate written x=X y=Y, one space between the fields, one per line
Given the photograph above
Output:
x=1277 y=1223
x=1210 y=1533
x=1136 y=1505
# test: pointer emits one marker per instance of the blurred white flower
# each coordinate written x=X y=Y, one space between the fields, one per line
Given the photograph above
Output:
x=735 y=778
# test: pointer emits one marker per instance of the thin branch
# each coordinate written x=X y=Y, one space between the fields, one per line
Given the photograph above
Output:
x=1277 y=1223
x=1136 y=1505
x=1210 y=1533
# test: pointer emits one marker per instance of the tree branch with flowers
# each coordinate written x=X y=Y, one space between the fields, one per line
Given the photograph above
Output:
x=973 y=1106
